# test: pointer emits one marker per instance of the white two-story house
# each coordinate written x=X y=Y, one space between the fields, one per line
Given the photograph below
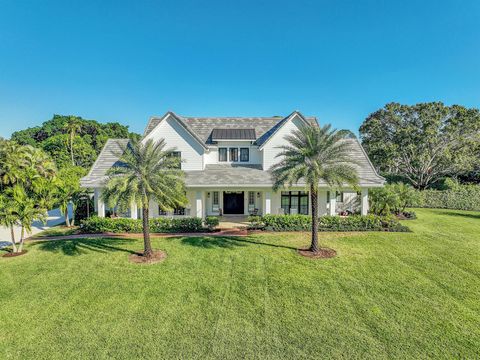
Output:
x=226 y=161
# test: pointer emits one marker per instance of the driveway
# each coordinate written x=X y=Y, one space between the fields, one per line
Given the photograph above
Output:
x=54 y=218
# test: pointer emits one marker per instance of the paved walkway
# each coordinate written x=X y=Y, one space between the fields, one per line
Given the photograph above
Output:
x=54 y=218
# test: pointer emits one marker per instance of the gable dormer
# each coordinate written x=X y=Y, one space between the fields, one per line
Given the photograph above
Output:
x=177 y=135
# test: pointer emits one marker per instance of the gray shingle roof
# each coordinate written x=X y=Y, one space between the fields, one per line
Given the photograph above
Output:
x=223 y=174
x=202 y=127
x=234 y=175
x=107 y=158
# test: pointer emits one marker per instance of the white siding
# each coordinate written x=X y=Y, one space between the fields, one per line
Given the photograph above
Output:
x=270 y=150
x=176 y=136
x=255 y=156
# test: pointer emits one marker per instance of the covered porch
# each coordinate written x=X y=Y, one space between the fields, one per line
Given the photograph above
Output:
x=237 y=202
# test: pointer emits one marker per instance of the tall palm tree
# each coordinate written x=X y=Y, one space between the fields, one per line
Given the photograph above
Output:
x=314 y=154
x=8 y=217
x=146 y=171
x=72 y=126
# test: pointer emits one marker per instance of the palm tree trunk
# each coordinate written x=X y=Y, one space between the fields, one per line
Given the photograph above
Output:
x=314 y=200
x=22 y=233
x=147 y=245
x=71 y=147
x=73 y=214
x=67 y=220
x=12 y=235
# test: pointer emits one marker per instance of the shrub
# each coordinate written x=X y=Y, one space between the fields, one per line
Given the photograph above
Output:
x=392 y=199
x=287 y=222
x=96 y=224
x=369 y=222
x=328 y=223
x=255 y=222
x=460 y=197
x=211 y=222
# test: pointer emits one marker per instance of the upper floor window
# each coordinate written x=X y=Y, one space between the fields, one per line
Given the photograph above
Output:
x=244 y=154
x=177 y=155
x=233 y=154
x=222 y=154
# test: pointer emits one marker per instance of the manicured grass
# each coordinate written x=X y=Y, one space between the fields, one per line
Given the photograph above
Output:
x=59 y=230
x=387 y=295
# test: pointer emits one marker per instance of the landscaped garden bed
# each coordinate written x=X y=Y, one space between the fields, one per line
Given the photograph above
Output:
x=327 y=223
x=99 y=225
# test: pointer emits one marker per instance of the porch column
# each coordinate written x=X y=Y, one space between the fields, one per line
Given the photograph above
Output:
x=99 y=204
x=322 y=203
x=364 y=202
x=134 y=211
x=199 y=204
x=267 y=209
x=333 y=203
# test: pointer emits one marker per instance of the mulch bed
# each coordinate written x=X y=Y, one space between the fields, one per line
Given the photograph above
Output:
x=12 y=254
x=323 y=253
x=138 y=258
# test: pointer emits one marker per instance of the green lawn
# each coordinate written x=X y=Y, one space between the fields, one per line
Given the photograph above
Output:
x=387 y=295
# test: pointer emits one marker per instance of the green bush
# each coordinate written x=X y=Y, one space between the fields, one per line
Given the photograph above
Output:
x=211 y=222
x=361 y=223
x=255 y=222
x=287 y=222
x=460 y=197
x=392 y=199
x=95 y=225
x=328 y=223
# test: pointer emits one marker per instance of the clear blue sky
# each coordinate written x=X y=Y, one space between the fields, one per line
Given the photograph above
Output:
x=337 y=60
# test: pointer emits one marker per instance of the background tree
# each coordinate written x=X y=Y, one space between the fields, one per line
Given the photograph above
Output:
x=72 y=126
x=88 y=139
x=147 y=172
x=423 y=143
x=68 y=191
x=314 y=154
x=27 y=184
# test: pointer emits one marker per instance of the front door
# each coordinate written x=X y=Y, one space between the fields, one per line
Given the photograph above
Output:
x=233 y=202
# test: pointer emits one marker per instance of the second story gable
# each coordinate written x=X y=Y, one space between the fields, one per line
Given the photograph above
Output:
x=225 y=141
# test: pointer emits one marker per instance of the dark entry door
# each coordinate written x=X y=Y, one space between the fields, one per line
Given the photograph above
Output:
x=233 y=202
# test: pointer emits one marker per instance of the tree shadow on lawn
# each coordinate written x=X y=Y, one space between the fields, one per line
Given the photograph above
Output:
x=226 y=242
x=472 y=215
x=81 y=246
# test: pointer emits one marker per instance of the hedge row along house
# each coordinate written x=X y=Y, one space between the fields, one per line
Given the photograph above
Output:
x=227 y=162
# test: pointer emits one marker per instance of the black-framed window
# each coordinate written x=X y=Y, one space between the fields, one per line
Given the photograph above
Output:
x=244 y=154
x=178 y=156
x=222 y=154
x=296 y=200
x=161 y=212
x=179 y=211
x=233 y=154
x=338 y=196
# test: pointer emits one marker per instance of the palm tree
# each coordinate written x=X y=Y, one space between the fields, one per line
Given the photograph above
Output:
x=314 y=154
x=8 y=217
x=146 y=172
x=25 y=210
x=72 y=126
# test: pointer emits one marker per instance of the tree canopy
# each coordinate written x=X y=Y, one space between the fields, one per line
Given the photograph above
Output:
x=423 y=143
x=65 y=136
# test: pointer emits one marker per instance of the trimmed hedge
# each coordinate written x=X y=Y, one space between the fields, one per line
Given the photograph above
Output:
x=462 y=197
x=95 y=225
x=328 y=223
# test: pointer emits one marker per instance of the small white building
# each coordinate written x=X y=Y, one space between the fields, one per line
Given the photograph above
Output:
x=226 y=161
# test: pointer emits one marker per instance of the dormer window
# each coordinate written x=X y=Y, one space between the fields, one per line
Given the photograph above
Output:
x=234 y=154
x=222 y=154
x=244 y=154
